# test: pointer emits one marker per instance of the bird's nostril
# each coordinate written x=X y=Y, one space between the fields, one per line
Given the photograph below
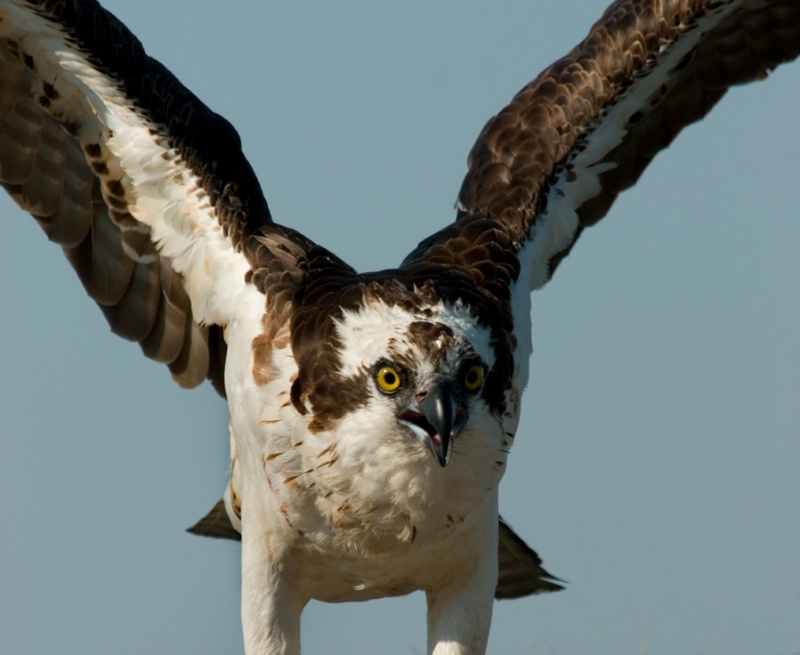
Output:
x=422 y=395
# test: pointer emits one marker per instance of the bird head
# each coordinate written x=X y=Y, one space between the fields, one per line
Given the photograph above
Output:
x=432 y=402
x=415 y=375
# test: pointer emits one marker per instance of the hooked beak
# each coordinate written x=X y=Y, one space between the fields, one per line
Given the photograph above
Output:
x=435 y=420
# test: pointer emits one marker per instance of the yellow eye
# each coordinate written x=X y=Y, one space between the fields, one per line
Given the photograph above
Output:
x=473 y=378
x=388 y=379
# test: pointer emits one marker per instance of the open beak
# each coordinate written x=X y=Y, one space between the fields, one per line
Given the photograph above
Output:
x=435 y=420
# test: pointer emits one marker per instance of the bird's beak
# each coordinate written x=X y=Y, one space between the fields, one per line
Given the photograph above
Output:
x=435 y=420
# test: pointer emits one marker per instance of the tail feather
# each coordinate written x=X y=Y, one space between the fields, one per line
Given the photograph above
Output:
x=216 y=524
x=521 y=571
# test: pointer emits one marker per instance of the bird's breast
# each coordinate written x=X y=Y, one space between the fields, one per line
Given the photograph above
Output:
x=372 y=502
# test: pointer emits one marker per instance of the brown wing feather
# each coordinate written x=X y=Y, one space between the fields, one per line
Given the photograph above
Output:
x=515 y=164
x=63 y=179
x=45 y=171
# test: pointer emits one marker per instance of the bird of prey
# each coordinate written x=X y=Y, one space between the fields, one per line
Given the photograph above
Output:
x=371 y=414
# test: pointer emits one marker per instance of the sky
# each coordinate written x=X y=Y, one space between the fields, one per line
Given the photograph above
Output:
x=656 y=464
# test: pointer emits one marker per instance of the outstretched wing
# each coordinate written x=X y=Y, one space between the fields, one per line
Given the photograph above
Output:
x=553 y=161
x=144 y=187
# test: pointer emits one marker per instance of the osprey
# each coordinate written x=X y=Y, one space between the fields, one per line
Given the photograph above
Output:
x=370 y=414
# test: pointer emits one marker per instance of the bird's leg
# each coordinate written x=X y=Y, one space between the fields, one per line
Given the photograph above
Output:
x=271 y=607
x=459 y=616
x=460 y=613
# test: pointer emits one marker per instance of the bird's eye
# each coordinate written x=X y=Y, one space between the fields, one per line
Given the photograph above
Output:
x=387 y=379
x=473 y=378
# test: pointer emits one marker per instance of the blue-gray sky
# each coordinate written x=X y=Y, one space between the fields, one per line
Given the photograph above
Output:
x=656 y=465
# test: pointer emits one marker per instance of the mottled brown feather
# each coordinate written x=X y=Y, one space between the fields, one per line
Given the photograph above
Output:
x=46 y=172
x=520 y=150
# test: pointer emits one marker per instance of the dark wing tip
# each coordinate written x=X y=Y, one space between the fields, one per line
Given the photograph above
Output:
x=521 y=570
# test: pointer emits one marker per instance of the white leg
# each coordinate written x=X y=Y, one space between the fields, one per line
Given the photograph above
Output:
x=271 y=607
x=459 y=617
x=460 y=614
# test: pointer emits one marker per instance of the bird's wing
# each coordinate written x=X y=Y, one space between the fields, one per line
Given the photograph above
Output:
x=553 y=161
x=144 y=187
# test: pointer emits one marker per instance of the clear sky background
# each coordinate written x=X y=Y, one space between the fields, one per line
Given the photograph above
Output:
x=657 y=462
